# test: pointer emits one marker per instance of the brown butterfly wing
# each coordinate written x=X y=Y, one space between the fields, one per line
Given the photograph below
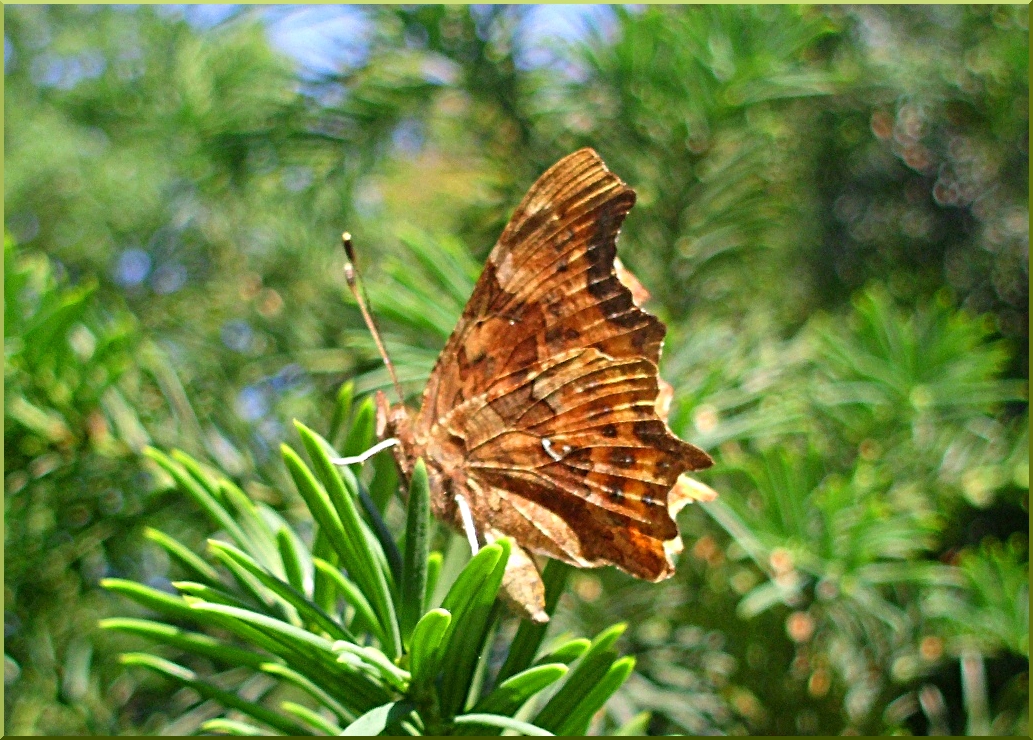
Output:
x=541 y=409
x=577 y=462
x=548 y=285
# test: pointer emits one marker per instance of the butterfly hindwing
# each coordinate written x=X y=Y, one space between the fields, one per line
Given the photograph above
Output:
x=579 y=435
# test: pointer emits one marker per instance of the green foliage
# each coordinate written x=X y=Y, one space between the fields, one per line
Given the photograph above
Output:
x=151 y=171
x=832 y=219
x=938 y=196
x=61 y=357
x=842 y=515
x=673 y=94
x=927 y=383
x=345 y=669
x=70 y=426
x=994 y=613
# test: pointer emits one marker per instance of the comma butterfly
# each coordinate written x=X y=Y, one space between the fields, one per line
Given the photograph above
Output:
x=544 y=419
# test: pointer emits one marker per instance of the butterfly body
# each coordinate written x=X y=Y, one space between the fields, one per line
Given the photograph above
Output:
x=542 y=410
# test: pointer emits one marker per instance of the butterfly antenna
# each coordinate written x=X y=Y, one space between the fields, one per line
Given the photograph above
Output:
x=351 y=277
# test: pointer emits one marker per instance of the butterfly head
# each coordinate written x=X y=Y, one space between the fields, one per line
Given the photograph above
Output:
x=396 y=421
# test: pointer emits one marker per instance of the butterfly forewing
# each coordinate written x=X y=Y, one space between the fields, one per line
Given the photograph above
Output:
x=541 y=410
x=547 y=286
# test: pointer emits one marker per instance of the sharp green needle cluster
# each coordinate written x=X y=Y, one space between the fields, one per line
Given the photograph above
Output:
x=349 y=641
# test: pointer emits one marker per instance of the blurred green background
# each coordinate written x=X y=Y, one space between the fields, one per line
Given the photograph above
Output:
x=833 y=222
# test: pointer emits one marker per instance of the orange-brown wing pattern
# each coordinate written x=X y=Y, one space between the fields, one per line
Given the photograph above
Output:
x=548 y=285
x=542 y=409
x=578 y=435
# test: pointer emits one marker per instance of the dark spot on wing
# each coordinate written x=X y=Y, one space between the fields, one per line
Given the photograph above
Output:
x=487 y=292
x=610 y=430
x=638 y=340
x=580 y=455
x=650 y=431
x=621 y=457
x=618 y=306
x=601 y=253
x=524 y=354
x=530 y=224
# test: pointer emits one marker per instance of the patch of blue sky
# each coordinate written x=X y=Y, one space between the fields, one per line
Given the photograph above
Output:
x=324 y=39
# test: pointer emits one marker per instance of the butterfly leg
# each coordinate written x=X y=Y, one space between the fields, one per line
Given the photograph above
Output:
x=364 y=456
x=468 y=526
